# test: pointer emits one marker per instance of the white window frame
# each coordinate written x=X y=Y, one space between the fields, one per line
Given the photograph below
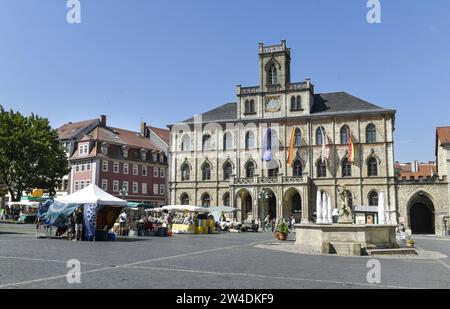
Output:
x=105 y=165
x=162 y=189
x=82 y=185
x=144 y=188
x=126 y=168
x=125 y=186
x=135 y=169
x=135 y=186
x=76 y=186
x=144 y=171
x=155 y=172
x=162 y=172
x=155 y=189
x=116 y=171
x=116 y=186
x=105 y=184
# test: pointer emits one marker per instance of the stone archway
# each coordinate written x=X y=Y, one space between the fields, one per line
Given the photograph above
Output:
x=268 y=206
x=421 y=214
x=292 y=204
x=244 y=201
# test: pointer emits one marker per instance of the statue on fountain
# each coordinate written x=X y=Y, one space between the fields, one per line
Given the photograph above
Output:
x=346 y=212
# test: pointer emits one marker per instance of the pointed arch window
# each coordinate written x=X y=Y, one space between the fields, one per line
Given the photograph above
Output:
x=185 y=172
x=319 y=136
x=273 y=75
x=206 y=172
x=250 y=107
x=346 y=168
x=344 y=135
x=227 y=141
x=186 y=143
x=249 y=140
x=371 y=134
x=250 y=170
x=297 y=169
x=227 y=171
x=372 y=167
x=206 y=142
x=321 y=169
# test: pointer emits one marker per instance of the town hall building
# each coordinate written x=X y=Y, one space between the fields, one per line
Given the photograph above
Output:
x=271 y=151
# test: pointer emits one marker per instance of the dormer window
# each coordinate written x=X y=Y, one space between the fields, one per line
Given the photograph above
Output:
x=125 y=151
x=104 y=148
x=155 y=157
x=83 y=150
x=273 y=77
x=161 y=158
x=143 y=154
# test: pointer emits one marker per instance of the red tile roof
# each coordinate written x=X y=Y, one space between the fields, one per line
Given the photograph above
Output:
x=443 y=134
x=164 y=134
x=425 y=170
x=123 y=137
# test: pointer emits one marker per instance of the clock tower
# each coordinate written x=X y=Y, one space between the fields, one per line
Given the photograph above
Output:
x=274 y=67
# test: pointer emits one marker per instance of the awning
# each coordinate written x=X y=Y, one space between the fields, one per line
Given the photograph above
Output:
x=137 y=205
x=185 y=208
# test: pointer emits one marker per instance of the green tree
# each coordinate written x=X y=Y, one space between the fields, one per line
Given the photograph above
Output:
x=30 y=154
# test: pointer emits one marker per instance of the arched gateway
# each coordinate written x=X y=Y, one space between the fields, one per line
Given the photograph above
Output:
x=421 y=212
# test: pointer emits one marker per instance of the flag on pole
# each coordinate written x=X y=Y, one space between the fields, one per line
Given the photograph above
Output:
x=325 y=152
x=292 y=145
x=351 y=147
x=267 y=146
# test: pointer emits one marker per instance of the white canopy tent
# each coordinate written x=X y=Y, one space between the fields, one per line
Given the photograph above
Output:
x=92 y=195
x=185 y=208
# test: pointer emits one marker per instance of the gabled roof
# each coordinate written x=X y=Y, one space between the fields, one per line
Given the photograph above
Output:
x=163 y=134
x=324 y=104
x=72 y=129
x=424 y=170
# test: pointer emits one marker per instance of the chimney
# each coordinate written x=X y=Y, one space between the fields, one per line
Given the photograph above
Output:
x=414 y=166
x=102 y=119
x=144 y=128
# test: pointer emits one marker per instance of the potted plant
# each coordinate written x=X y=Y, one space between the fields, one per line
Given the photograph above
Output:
x=281 y=231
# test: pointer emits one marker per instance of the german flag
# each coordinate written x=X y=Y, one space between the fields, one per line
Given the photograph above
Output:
x=291 y=154
x=351 y=147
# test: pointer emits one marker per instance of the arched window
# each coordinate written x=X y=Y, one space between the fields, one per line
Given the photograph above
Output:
x=206 y=172
x=319 y=136
x=373 y=198
x=227 y=171
x=206 y=142
x=371 y=134
x=297 y=169
x=249 y=169
x=345 y=131
x=298 y=137
x=184 y=199
x=226 y=199
x=250 y=107
x=206 y=200
x=296 y=103
x=227 y=141
x=372 y=167
x=249 y=140
x=296 y=203
x=185 y=172
x=321 y=169
x=346 y=168
x=273 y=77
x=186 y=143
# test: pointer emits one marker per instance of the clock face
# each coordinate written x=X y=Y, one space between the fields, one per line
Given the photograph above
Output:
x=273 y=105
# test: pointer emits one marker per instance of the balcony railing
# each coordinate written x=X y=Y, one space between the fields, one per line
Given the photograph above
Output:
x=249 y=90
x=278 y=180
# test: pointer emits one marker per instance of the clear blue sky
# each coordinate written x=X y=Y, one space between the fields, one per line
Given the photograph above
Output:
x=163 y=60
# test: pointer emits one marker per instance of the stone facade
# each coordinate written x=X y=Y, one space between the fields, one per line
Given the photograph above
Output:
x=231 y=139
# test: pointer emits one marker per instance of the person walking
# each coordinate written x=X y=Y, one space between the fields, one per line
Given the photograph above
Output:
x=274 y=222
x=266 y=223
x=122 y=223
x=293 y=224
x=78 y=224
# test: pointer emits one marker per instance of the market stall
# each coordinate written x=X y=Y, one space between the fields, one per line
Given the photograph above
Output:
x=190 y=219
x=100 y=209
x=220 y=214
x=26 y=209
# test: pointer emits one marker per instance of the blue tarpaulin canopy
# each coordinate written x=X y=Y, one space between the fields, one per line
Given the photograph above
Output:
x=56 y=213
